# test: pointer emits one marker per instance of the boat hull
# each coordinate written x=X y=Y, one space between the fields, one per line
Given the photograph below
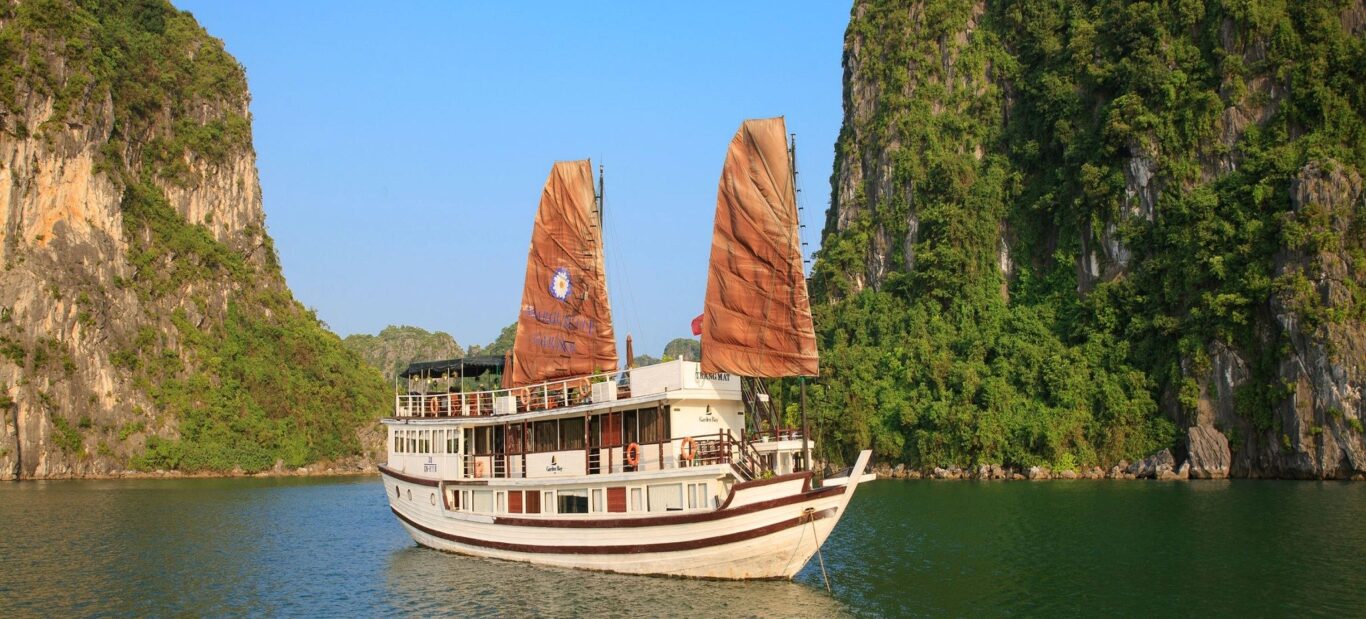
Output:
x=766 y=529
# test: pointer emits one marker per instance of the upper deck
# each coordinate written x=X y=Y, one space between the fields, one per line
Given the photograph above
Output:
x=675 y=378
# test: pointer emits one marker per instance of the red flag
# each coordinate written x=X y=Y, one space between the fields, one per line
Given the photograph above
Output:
x=697 y=325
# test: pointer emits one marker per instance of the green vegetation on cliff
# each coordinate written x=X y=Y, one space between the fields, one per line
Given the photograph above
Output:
x=993 y=287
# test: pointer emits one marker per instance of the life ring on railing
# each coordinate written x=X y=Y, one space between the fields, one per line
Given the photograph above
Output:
x=478 y=468
x=687 y=449
x=633 y=454
x=433 y=406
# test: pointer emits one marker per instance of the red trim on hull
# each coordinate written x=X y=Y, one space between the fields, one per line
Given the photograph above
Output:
x=623 y=549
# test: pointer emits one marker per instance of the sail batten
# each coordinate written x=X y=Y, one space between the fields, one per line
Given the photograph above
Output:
x=564 y=328
x=757 y=317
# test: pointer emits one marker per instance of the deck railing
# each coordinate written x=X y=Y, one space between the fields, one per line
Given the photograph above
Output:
x=723 y=448
x=719 y=448
x=541 y=397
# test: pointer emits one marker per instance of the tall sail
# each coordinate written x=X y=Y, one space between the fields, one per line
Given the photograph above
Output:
x=565 y=326
x=757 y=316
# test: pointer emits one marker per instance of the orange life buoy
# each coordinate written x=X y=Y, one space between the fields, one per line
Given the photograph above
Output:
x=688 y=447
x=633 y=454
x=432 y=406
x=478 y=468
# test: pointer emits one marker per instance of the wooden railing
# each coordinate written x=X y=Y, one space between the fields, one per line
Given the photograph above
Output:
x=723 y=448
x=545 y=396
x=719 y=448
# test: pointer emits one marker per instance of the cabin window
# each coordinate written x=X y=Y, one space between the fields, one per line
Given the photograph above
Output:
x=666 y=428
x=665 y=497
x=451 y=438
x=636 y=501
x=455 y=500
x=424 y=442
x=533 y=502
x=697 y=495
x=436 y=440
x=481 y=501
x=515 y=501
x=571 y=433
x=502 y=502
x=572 y=501
x=616 y=499
x=548 y=499
x=514 y=438
x=546 y=434
x=595 y=431
x=597 y=500
x=482 y=442
x=649 y=430
x=630 y=434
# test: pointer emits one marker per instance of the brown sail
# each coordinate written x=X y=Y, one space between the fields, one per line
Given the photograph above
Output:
x=757 y=316
x=565 y=326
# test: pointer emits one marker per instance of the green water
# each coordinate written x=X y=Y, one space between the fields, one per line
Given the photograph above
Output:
x=331 y=548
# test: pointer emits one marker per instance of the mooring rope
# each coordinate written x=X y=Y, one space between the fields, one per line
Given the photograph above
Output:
x=809 y=516
x=820 y=555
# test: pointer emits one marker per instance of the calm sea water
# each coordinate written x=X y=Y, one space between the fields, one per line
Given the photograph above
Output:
x=329 y=547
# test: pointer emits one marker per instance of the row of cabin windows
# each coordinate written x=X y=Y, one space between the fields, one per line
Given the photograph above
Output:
x=642 y=426
x=651 y=498
x=425 y=441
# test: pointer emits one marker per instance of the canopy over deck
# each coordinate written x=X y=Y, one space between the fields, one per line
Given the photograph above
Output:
x=463 y=366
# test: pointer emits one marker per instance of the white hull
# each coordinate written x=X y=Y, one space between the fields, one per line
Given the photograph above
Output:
x=765 y=529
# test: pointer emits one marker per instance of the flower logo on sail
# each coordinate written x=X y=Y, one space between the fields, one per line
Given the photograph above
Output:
x=559 y=284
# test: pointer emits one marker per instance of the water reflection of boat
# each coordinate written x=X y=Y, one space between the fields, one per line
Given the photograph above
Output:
x=680 y=468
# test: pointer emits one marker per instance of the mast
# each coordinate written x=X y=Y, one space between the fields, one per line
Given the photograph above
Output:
x=806 y=428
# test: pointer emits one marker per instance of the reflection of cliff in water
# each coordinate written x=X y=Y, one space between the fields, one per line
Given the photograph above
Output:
x=422 y=581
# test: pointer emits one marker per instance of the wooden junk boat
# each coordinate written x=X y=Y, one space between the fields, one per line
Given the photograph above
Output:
x=679 y=468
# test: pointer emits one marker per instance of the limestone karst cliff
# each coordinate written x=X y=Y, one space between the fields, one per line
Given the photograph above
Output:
x=144 y=321
x=1072 y=233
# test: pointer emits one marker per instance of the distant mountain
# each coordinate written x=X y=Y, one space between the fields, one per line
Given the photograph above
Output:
x=685 y=348
x=500 y=346
x=397 y=346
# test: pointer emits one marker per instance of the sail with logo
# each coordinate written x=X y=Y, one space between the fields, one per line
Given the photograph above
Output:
x=756 y=321
x=564 y=329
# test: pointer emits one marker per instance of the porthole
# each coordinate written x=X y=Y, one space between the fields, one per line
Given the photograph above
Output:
x=396 y=494
x=410 y=494
x=433 y=498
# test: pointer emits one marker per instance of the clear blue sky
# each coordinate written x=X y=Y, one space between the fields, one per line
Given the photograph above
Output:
x=402 y=146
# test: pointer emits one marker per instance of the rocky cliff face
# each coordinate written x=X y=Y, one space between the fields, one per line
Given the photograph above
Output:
x=1181 y=180
x=135 y=255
